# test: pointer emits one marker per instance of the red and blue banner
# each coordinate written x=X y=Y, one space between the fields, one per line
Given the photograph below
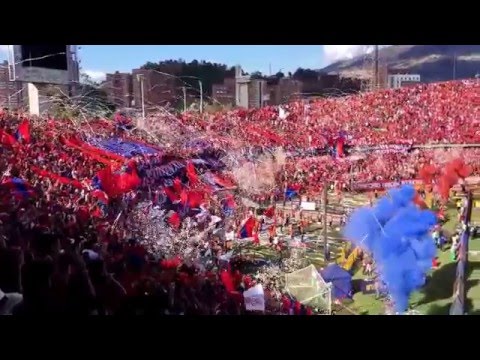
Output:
x=247 y=228
x=122 y=147
x=18 y=188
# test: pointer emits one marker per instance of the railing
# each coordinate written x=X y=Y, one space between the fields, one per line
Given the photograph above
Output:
x=458 y=305
x=441 y=146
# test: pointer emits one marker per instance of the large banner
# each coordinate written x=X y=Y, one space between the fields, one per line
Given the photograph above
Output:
x=383 y=149
x=123 y=147
x=384 y=185
x=308 y=205
x=254 y=298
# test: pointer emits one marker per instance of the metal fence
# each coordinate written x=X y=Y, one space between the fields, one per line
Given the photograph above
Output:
x=458 y=305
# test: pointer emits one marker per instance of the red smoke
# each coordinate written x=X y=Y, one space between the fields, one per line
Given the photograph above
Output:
x=419 y=201
x=428 y=173
x=453 y=171
x=445 y=178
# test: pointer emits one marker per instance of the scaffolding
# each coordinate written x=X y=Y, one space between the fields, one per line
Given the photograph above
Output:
x=374 y=69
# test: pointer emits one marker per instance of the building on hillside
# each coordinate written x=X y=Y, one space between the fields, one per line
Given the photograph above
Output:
x=241 y=88
x=255 y=93
x=258 y=94
x=396 y=81
x=224 y=93
x=159 y=89
x=119 y=89
x=282 y=90
x=11 y=92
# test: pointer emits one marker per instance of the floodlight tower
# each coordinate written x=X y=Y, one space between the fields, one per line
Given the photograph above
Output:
x=372 y=68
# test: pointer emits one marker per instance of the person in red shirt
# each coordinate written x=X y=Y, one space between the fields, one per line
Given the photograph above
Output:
x=286 y=304
x=256 y=239
x=297 y=308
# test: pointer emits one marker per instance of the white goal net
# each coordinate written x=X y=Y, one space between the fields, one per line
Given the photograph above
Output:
x=308 y=287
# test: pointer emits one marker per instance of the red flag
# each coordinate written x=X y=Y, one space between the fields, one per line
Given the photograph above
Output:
x=223 y=181
x=340 y=143
x=128 y=181
x=172 y=263
x=270 y=212
x=7 y=139
x=191 y=173
x=174 y=220
x=97 y=213
x=183 y=197
x=227 y=281
x=177 y=185
x=55 y=177
x=171 y=194
x=195 y=198
x=100 y=195
x=23 y=132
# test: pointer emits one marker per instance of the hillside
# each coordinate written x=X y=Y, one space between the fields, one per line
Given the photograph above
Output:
x=432 y=62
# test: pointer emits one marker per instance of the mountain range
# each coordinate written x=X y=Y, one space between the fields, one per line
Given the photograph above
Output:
x=432 y=62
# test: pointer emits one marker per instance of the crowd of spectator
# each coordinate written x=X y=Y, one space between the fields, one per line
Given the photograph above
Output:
x=425 y=114
x=59 y=254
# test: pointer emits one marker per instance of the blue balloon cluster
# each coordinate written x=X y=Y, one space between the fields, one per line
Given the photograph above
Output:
x=397 y=234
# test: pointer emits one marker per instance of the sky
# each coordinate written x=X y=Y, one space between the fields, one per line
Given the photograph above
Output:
x=97 y=60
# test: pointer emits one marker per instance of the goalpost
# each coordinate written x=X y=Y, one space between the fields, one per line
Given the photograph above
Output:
x=308 y=287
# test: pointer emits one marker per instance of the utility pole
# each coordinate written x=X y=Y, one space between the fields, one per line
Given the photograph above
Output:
x=454 y=66
x=8 y=97
x=201 y=95
x=140 y=79
x=325 y=237
x=376 y=82
x=184 y=99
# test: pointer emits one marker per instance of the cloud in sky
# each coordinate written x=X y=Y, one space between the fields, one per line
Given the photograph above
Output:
x=340 y=52
x=3 y=52
x=95 y=75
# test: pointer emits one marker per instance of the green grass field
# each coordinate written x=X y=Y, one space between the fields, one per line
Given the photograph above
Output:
x=472 y=285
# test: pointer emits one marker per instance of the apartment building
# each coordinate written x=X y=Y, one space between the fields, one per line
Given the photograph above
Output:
x=119 y=89
x=159 y=88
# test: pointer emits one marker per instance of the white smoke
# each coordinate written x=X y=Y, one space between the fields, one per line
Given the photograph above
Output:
x=97 y=76
x=334 y=53
x=258 y=176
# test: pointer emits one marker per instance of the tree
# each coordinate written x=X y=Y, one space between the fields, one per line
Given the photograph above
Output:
x=305 y=75
x=256 y=75
x=279 y=75
x=189 y=74
x=94 y=100
x=91 y=100
x=149 y=66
